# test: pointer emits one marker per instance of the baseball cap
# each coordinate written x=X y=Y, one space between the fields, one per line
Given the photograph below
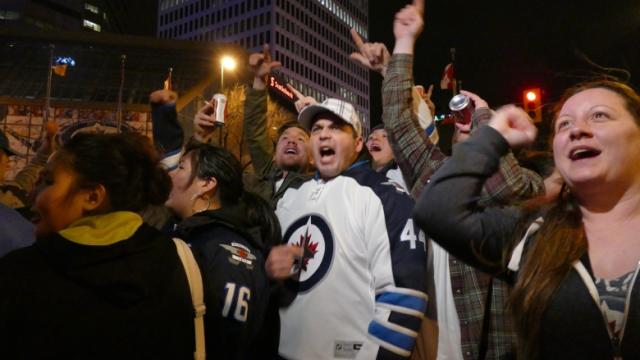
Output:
x=4 y=144
x=342 y=109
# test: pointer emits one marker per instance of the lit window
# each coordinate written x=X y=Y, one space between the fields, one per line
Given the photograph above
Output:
x=91 y=25
x=94 y=9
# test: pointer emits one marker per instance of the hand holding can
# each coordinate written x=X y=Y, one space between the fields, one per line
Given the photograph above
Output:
x=462 y=108
x=220 y=107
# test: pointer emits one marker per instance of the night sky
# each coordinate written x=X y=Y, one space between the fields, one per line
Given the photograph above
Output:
x=504 y=47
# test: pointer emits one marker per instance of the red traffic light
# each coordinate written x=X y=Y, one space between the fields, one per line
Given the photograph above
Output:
x=532 y=103
x=531 y=96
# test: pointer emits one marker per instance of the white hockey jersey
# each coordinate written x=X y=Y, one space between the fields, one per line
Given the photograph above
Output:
x=360 y=285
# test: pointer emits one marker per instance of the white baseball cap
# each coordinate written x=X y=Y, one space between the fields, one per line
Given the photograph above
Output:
x=342 y=109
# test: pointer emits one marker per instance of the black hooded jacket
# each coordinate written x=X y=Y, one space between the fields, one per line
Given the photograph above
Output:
x=128 y=300
x=229 y=251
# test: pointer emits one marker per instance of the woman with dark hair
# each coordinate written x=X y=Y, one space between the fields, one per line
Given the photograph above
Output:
x=573 y=260
x=98 y=283
x=226 y=229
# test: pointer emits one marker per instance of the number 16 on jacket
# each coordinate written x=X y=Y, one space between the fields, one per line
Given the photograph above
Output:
x=239 y=298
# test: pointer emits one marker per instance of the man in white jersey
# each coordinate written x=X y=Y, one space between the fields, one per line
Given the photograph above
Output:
x=353 y=256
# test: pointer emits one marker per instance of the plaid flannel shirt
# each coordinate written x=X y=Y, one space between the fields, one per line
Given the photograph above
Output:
x=418 y=160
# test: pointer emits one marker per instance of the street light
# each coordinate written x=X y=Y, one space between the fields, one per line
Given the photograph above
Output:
x=226 y=62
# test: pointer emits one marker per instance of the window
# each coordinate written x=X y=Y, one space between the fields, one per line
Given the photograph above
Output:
x=91 y=25
x=94 y=9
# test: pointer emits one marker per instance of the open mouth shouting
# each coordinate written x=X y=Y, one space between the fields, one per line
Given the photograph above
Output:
x=327 y=154
x=291 y=150
x=375 y=147
x=583 y=152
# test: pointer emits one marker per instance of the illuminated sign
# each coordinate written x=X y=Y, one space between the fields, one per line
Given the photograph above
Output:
x=65 y=60
x=277 y=84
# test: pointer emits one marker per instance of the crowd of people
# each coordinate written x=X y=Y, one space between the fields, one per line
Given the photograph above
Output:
x=342 y=245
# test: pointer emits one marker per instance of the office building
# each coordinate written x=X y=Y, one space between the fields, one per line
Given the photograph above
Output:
x=111 y=16
x=310 y=37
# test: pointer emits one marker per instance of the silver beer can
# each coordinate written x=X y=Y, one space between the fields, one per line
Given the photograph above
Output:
x=220 y=104
x=462 y=108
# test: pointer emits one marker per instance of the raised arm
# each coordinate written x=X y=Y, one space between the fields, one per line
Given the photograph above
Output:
x=168 y=135
x=374 y=56
x=416 y=155
x=255 y=114
x=511 y=181
x=449 y=209
x=27 y=178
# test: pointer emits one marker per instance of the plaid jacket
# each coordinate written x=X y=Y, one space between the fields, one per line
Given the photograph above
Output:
x=419 y=159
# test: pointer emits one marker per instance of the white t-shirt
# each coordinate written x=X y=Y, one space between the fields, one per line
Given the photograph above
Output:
x=449 y=338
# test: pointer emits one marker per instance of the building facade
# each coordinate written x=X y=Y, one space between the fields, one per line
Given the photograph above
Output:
x=112 y=16
x=310 y=37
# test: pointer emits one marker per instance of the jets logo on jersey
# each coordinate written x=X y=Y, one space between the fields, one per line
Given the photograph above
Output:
x=311 y=233
x=239 y=254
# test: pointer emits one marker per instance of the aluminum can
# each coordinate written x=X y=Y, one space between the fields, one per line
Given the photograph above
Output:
x=220 y=104
x=462 y=108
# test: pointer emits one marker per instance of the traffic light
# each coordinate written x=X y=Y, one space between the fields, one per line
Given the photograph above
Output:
x=532 y=103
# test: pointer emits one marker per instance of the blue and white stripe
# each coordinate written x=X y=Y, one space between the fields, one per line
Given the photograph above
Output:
x=392 y=337
x=170 y=159
x=403 y=300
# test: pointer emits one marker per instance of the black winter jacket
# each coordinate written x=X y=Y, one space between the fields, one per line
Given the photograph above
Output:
x=64 y=300
x=573 y=326
x=228 y=250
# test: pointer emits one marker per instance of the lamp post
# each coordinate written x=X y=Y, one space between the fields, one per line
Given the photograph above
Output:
x=226 y=62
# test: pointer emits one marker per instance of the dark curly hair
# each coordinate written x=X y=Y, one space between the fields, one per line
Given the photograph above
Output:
x=127 y=165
